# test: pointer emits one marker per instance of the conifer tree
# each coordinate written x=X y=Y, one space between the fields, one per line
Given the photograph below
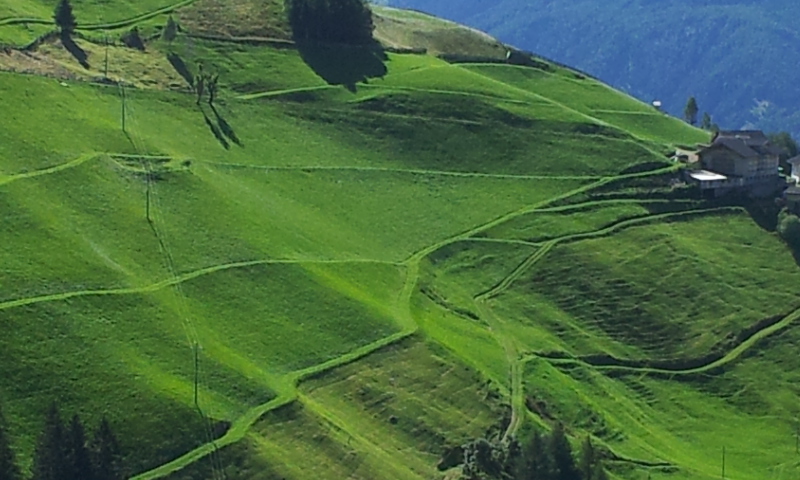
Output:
x=170 y=30
x=8 y=467
x=78 y=462
x=49 y=457
x=690 y=112
x=706 y=123
x=561 y=453
x=599 y=473
x=588 y=460
x=106 y=454
x=64 y=17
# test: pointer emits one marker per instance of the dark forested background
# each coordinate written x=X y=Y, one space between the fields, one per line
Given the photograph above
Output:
x=739 y=58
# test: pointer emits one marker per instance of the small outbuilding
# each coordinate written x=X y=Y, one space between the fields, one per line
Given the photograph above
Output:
x=795 y=164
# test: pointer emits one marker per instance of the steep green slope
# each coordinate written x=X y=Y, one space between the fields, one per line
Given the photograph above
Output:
x=731 y=55
x=356 y=261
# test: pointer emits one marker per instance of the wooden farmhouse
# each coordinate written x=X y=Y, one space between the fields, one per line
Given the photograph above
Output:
x=742 y=160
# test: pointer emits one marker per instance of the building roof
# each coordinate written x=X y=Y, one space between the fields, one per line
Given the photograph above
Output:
x=793 y=191
x=795 y=161
x=751 y=138
x=746 y=143
x=706 y=176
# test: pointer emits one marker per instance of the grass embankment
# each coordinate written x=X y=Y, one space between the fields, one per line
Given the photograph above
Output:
x=334 y=203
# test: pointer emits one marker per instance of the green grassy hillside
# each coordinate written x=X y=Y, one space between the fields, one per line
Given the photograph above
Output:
x=367 y=258
x=657 y=50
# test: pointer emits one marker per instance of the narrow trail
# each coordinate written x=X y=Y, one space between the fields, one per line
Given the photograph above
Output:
x=169 y=282
x=497 y=324
x=288 y=388
x=413 y=171
x=6 y=179
x=732 y=356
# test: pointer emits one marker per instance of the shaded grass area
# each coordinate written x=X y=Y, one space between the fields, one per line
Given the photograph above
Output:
x=396 y=411
x=707 y=288
x=600 y=101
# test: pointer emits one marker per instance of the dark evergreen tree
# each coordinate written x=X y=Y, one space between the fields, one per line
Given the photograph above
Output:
x=8 y=466
x=538 y=462
x=690 y=112
x=170 y=30
x=599 y=473
x=64 y=17
x=49 y=457
x=706 y=123
x=333 y=21
x=786 y=143
x=106 y=453
x=588 y=459
x=561 y=452
x=78 y=461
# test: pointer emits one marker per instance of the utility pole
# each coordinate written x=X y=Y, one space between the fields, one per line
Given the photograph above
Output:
x=148 y=180
x=723 y=463
x=122 y=86
x=196 y=374
x=105 y=70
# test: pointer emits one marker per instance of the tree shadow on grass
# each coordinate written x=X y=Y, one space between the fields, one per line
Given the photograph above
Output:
x=216 y=131
x=226 y=127
x=180 y=66
x=75 y=50
x=345 y=64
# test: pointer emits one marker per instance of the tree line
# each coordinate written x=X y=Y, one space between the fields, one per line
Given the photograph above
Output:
x=64 y=452
x=541 y=457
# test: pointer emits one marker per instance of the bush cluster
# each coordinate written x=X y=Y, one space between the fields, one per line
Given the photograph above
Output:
x=331 y=21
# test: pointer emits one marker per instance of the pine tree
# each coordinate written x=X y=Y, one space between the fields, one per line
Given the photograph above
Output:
x=8 y=467
x=106 y=454
x=170 y=30
x=561 y=453
x=538 y=462
x=690 y=112
x=49 y=457
x=78 y=462
x=64 y=17
x=588 y=460
x=706 y=123
x=599 y=473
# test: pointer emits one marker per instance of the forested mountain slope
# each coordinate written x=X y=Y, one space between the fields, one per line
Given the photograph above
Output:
x=738 y=57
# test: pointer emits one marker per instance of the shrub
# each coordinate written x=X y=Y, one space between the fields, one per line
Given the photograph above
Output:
x=789 y=229
x=331 y=21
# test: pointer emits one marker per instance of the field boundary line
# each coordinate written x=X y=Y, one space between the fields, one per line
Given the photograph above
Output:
x=5 y=179
x=182 y=278
x=101 y=26
x=733 y=355
x=289 y=387
x=413 y=171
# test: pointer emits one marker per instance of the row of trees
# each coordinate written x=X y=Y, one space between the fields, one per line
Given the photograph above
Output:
x=542 y=457
x=690 y=115
x=331 y=21
x=63 y=452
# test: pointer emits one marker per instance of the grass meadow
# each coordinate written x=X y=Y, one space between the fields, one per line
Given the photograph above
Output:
x=365 y=260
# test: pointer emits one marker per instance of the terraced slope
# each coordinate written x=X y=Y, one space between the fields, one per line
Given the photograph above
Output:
x=356 y=261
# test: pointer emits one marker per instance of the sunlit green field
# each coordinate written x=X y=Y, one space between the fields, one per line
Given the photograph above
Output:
x=355 y=262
